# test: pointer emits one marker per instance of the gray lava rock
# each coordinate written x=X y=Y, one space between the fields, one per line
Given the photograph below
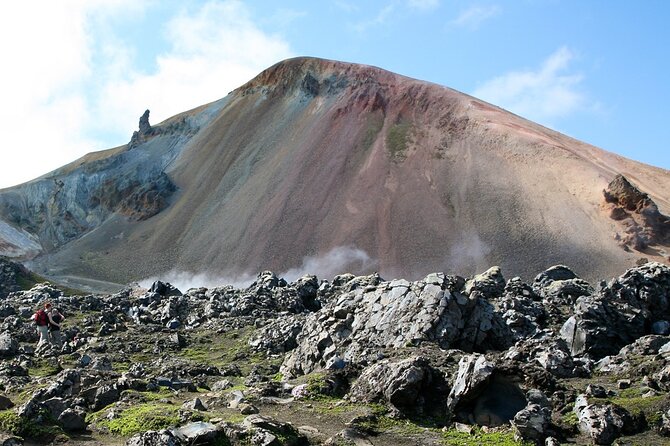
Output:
x=531 y=423
x=396 y=314
x=407 y=385
x=490 y=283
x=600 y=327
x=73 y=419
x=198 y=432
x=153 y=438
x=8 y=345
x=194 y=404
x=602 y=423
x=105 y=395
x=474 y=372
x=480 y=395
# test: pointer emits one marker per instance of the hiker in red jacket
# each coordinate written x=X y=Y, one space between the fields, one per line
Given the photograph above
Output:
x=41 y=318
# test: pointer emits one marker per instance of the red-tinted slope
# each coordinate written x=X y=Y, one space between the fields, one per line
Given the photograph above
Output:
x=312 y=155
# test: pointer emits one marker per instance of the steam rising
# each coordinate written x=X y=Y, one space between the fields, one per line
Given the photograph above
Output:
x=469 y=255
x=338 y=260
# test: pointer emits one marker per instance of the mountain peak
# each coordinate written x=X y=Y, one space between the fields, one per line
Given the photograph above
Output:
x=309 y=73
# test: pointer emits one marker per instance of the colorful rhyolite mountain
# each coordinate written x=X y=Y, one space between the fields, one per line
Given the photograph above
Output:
x=341 y=166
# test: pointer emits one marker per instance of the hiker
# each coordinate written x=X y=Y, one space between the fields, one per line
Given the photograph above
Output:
x=41 y=318
x=55 y=321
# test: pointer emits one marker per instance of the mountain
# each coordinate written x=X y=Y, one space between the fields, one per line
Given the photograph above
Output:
x=333 y=166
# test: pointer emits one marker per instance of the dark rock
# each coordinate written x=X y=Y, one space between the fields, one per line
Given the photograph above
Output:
x=194 y=404
x=73 y=419
x=164 y=289
x=10 y=440
x=105 y=395
x=55 y=406
x=5 y=403
x=661 y=328
x=664 y=428
x=247 y=409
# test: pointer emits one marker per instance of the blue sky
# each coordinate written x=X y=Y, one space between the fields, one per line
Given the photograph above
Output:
x=77 y=77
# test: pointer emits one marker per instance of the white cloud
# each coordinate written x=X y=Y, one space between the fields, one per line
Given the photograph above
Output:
x=550 y=92
x=69 y=75
x=381 y=18
x=423 y=5
x=212 y=52
x=474 y=16
x=347 y=7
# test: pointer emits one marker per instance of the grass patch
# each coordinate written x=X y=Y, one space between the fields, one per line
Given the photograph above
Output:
x=223 y=349
x=13 y=424
x=651 y=407
x=374 y=126
x=397 y=140
x=480 y=438
x=139 y=418
x=41 y=368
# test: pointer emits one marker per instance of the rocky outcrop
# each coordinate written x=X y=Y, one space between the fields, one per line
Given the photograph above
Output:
x=642 y=223
x=355 y=325
x=13 y=277
x=620 y=313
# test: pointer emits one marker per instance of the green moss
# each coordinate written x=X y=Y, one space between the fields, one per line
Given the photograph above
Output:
x=374 y=126
x=13 y=424
x=651 y=407
x=505 y=437
x=570 y=419
x=397 y=140
x=139 y=418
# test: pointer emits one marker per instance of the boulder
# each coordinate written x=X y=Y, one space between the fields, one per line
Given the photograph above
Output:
x=105 y=395
x=73 y=419
x=153 y=438
x=194 y=404
x=490 y=283
x=532 y=423
x=602 y=423
x=198 y=432
x=482 y=395
x=10 y=440
x=8 y=345
x=407 y=385
x=5 y=403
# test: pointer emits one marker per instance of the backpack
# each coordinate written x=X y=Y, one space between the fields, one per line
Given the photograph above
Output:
x=41 y=318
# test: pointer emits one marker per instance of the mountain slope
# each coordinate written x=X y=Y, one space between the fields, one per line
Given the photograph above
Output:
x=315 y=155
